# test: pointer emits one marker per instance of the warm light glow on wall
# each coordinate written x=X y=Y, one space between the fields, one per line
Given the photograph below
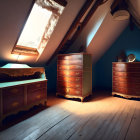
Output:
x=16 y=57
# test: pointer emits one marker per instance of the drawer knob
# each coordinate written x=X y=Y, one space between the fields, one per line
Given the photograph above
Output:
x=67 y=90
x=77 y=85
x=38 y=85
x=77 y=92
x=38 y=96
x=77 y=73
x=15 y=104
x=15 y=90
x=79 y=67
x=77 y=79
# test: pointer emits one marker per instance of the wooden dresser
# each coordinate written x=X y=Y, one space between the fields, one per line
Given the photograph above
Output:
x=21 y=89
x=74 y=75
x=126 y=79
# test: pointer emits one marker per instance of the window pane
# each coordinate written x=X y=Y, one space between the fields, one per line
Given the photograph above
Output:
x=34 y=27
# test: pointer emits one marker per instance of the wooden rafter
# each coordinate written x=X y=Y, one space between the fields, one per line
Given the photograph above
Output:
x=87 y=18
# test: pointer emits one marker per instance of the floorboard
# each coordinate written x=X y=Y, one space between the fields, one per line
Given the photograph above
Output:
x=125 y=121
x=102 y=117
x=98 y=127
x=71 y=124
x=134 y=129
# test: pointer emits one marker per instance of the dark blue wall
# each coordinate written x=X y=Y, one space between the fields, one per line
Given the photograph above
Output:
x=2 y=63
x=129 y=42
x=51 y=75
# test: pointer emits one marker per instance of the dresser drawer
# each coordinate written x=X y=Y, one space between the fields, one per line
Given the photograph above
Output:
x=126 y=69
x=127 y=79
x=70 y=62
x=69 y=84
x=13 y=99
x=127 y=65
x=120 y=90
x=69 y=73
x=36 y=85
x=126 y=74
x=69 y=67
x=36 y=95
x=128 y=91
x=70 y=57
x=69 y=79
x=13 y=90
x=70 y=91
x=127 y=85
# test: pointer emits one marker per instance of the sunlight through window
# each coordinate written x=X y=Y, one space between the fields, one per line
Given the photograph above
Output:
x=38 y=28
x=35 y=27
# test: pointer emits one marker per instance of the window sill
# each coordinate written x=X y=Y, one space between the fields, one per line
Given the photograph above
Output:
x=22 y=50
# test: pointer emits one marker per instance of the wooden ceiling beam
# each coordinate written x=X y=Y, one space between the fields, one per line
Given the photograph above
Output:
x=61 y=2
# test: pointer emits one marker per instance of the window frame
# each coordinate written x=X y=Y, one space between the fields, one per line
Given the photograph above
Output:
x=29 y=51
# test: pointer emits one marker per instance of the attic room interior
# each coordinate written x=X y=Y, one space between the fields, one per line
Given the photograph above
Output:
x=69 y=69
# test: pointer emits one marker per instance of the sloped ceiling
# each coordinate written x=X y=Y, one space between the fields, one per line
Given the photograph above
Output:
x=109 y=31
x=101 y=31
x=13 y=14
x=105 y=36
x=69 y=14
x=12 y=17
x=98 y=35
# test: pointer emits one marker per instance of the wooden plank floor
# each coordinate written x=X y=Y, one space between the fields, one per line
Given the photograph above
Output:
x=102 y=118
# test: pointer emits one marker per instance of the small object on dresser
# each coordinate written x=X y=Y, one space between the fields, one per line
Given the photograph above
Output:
x=131 y=58
x=122 y=57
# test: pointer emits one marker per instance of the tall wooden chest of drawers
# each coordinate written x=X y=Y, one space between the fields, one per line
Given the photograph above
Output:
x=126 y=79
x=74 y=75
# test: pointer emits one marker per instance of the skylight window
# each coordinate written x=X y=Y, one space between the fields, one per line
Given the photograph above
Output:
x=38 y=28
x=35 y=27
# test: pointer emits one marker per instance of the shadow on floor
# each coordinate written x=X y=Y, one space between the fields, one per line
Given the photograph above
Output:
x=21 y=116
